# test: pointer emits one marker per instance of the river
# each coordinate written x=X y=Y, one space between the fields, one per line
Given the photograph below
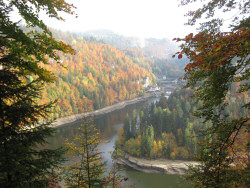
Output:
x=109 y=124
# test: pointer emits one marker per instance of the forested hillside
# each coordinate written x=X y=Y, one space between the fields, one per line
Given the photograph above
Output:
x=168 y=129
x=153 y=54
x=97 y=76
x=169 y=69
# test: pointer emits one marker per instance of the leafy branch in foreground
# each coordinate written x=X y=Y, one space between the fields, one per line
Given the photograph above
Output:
x=218 y=59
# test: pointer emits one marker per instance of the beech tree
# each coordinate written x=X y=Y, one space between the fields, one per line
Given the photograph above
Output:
x=218 y=59
x=23 y=125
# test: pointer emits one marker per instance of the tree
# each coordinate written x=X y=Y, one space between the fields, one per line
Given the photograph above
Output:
x=23 y=125
x=149 y=134
x=121 y=138
x=218 y=59
x=133 y=124
x=127 y=132
x=142 y=121
x=115 y=178
x=187 y=106
x=163 y=101
x=87 y=170
x=179 y=137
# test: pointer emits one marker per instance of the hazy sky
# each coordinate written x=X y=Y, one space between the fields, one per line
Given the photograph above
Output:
x=141 y=18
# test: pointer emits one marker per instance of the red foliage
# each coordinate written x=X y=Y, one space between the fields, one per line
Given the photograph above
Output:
x=207 y=51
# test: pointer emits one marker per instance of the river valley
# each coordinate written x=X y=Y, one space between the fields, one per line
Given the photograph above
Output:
x=109 y=124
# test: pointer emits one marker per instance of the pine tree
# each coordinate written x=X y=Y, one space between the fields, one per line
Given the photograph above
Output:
x=87 y=170
x=22 y=78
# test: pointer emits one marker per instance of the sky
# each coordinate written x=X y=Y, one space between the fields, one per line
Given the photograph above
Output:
x=139 y=18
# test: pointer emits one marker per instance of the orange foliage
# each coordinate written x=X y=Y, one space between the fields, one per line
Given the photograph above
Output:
x=206 y=47
x=97 y=76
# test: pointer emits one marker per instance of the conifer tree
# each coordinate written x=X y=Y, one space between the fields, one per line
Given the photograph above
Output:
x=150 y=141
x=142 y=121
x=127 y=132
x=22 y=78
x=87 y=169
x=115 y=178
x=133 y=124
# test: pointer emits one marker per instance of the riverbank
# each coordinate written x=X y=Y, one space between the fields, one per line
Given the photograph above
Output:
x=156 y=166
x=102 y=111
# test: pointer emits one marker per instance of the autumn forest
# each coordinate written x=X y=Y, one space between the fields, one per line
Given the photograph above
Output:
x=101 y=109
x=100 y=74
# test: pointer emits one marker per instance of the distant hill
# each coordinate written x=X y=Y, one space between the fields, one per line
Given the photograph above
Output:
x=157 y=48
x=153 y=54
x=113 y=39
x=160 y=48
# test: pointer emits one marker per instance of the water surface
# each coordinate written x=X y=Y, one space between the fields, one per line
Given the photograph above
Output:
x=109 y=124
